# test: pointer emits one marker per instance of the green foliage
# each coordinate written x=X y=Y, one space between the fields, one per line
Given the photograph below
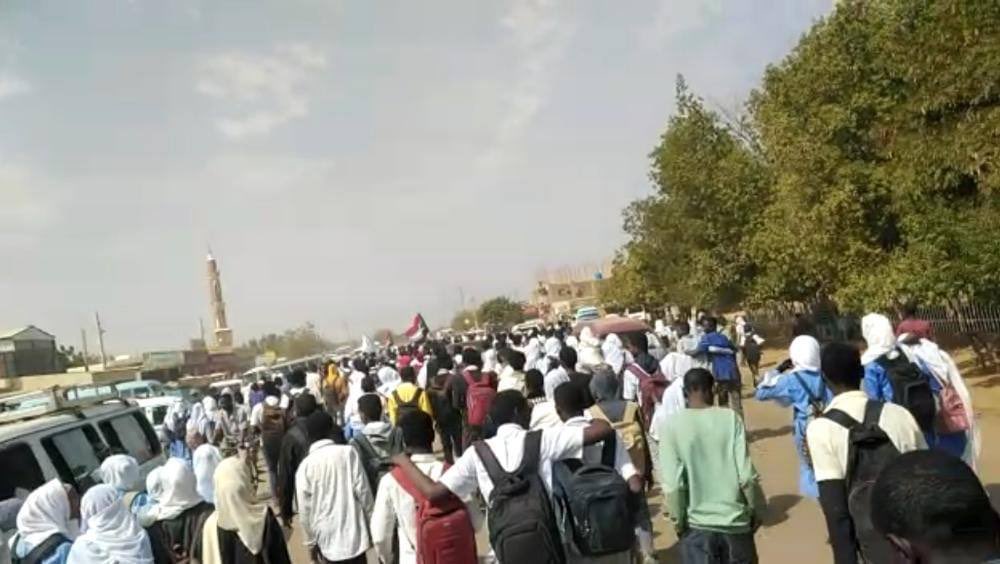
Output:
x=293 y=343
x=69 y=357
x=866 y=171
x=500 y=311
x=464 y=319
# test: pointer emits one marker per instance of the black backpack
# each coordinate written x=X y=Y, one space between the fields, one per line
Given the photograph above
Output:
x=407 y=406
x=910 y=389
x=593 y=505
x=869 y=450
x=376 y=458
x=520 y=517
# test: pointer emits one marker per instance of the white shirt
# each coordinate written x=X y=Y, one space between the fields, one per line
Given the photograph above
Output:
x=468 y=474
x=672 y=401
x=334 y=500
x=313 y=384
x=828 y=440
x=544 y=416
x=592 y=453
x=257 y=413
x=510 y=379
x=675 y=365
x=396 y=508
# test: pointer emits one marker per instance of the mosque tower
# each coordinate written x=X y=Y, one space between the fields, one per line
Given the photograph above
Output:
x=223 y=334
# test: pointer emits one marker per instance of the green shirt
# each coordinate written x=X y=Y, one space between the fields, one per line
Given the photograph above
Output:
x=709 y=481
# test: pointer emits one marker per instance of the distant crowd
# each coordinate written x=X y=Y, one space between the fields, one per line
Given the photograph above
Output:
x=543 y=448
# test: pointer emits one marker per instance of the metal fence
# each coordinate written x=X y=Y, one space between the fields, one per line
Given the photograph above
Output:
x=962 y=319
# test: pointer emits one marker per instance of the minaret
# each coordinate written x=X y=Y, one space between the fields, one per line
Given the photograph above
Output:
x=223 y=334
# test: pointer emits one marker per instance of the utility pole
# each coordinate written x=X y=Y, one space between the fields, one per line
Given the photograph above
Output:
x=86 y=361
x=201 y=331
x=100 y=341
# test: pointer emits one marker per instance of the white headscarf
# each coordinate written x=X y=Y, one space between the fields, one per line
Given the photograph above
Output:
x=532 y=352
x=572 y=342
x=198 y=421
x=44 y=513
x=175 y=414
x=804 y=352
x=489 y=360
x=208 y=402
x=552 y=381
x=552 y=347
x=589 y=348
x=236 y=509
x=111 y=533
x=877 y=331
x=206 y=459
x=613 y=353
x=177 y=490
x=121 y=472
x=388 y=379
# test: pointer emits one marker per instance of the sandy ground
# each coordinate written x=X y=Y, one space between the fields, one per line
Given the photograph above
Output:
x=795 y=527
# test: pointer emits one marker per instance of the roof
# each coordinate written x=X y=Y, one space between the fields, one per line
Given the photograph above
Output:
x=31 y=330
x=16 y=429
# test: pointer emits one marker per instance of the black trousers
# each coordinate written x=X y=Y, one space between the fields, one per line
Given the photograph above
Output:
x=451 y=439
x=708 y=547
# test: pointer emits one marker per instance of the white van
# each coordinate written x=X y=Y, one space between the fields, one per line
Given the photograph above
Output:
x=68 y=439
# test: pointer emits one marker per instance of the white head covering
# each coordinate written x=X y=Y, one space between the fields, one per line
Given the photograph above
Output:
x=154 y=487
x=552 y=381
x=589 y=349
x=177 y=490
x=877 y=331
x=237 y=506
x=489 y=357
x=613 y=353
x=552 y=347
x=388 y=379
x=111 y=533
x=44 y=513
x=572 y=342
x=532 y=352
x=804 y=352
x=208 y=402
x=121 y=472
x=175 y=414
x=206 y=459
x=197 y=419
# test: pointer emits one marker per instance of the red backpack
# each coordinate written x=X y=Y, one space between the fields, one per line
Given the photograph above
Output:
x=651 y=388
x=478 y=398
x=444 y=530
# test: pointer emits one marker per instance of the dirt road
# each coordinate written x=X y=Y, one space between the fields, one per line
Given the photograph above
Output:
x=795 y=527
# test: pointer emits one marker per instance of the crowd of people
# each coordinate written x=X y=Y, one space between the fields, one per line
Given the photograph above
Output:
x=548 y=444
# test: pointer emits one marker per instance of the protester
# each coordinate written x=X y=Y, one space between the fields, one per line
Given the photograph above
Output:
x=589 y=349
x=447 y=418
x=642 y=381
x=721 y=355
x=934 y=510
x=352 y=418
x=534 y=387
x=533 y=355
x=506 y=451
x=570 y=402
x=377 y=442
x=543 y=413
x=830 y=448
x=474 y=390
x=623 y=415
x=712 y=491
x=110 y=531
x=335 y=391
x=241 y=530
x=45 y=533
x=206 y=459
x=335 y=501
x=395 y=514
x=121 y=472
x=407 y=395
x=314 y=382
x=797 y=383
x=175 y=429
x=512 y=374
x=294 y=448
x=270 y=421
x=614 y=355
x=178 y=516
x=913 y=325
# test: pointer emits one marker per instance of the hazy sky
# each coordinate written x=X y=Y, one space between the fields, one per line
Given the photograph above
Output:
x=349 y=162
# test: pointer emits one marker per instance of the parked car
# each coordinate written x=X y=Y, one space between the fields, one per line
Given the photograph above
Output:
x=140 y=389
x=68 y=438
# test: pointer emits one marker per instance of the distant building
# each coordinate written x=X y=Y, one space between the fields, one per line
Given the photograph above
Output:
x=28 y=351
x=563 y=291
x=223 y=334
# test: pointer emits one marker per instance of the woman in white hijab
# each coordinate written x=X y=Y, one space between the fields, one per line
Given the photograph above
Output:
x=121 y=472
x=44 y=524
x=206 y=459
x=589 y=349
x=111 y=533
x=532 y=354
x=177 y=519
x=613 y=353
x=797 y=383
x=242 y=530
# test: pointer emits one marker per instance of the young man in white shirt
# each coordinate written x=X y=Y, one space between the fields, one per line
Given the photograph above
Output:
x=511 y=413
x=395 y=509
x=334 y=499
x=569 y=405
x=829 y=443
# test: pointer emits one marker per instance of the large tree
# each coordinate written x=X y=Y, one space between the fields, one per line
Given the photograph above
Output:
x=500 y=311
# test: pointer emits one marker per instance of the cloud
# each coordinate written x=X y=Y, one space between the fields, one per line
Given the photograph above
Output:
x=264 y=91
x=266 y=175
x=680 y=16
x=540 y=34
x=11 y=85
x=26 y=209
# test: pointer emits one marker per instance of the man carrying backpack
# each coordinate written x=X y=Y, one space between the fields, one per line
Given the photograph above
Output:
x=597 y=526
x=424 y=530
x=513 y=472
x=407 y=396
x=849 y=445
x=712 y=490
x=377 y=442
x=472 y=392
